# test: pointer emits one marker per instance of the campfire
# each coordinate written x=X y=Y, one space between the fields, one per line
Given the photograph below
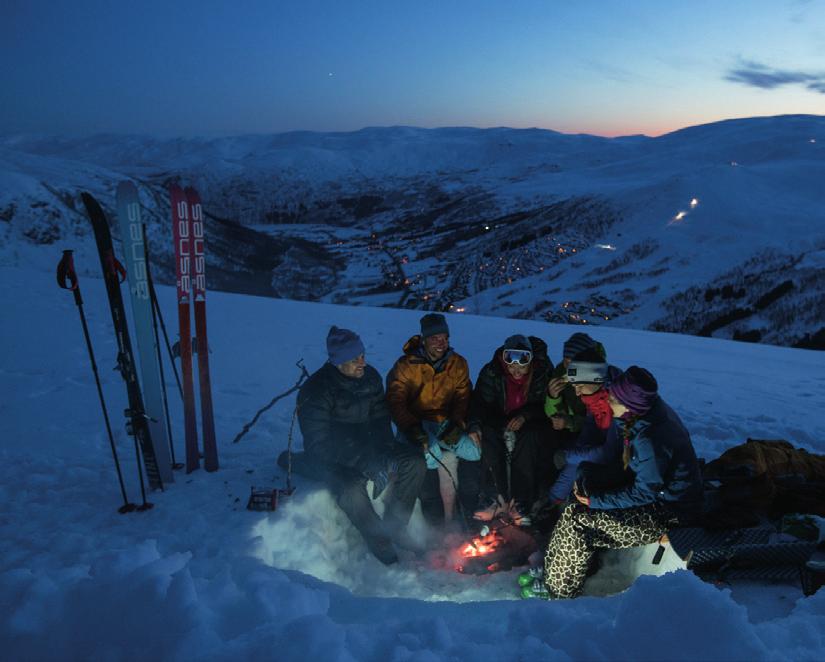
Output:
x=500 y=546
x=482 y=545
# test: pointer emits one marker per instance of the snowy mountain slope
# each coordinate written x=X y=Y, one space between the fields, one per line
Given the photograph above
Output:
x=199 y=577
x=635 y=232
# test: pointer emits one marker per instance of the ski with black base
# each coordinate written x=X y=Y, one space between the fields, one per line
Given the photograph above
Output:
x=113 y=274
x=137 y=269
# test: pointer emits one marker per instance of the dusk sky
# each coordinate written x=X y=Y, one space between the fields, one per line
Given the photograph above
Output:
x=214 y=68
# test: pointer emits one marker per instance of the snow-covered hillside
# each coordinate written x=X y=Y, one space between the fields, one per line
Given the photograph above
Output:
x=711 y=230
x=199 y=577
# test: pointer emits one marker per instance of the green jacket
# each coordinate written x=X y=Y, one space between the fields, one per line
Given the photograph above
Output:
x=568 y=403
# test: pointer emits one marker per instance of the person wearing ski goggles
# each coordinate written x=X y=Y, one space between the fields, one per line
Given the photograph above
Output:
x=506 y=416
x=517 y=356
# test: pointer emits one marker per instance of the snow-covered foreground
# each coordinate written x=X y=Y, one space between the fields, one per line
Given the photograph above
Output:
x=200 y=577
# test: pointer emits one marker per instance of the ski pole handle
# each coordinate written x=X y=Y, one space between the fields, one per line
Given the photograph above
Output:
x=67 y=277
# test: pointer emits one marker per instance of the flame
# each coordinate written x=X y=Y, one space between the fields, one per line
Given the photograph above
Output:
x=481 y=545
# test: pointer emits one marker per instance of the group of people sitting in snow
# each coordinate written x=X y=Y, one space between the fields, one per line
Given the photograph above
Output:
x=583 y=444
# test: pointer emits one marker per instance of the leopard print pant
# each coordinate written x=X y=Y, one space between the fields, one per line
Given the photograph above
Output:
x=580 y=531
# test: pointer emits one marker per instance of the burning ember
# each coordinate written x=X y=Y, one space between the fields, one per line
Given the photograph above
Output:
x=494 y=549
x=480 y=546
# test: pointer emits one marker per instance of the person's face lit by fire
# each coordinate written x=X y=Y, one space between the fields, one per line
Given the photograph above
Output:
x=436 y=345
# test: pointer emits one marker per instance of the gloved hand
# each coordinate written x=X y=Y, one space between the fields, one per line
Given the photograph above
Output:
x=379 y=471
x=449 y=432
x=416 y=436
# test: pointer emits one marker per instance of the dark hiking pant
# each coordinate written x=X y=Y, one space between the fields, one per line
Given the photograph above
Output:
x=529 y=463
x=581 y=531
x=350 y=491
x=406 y=488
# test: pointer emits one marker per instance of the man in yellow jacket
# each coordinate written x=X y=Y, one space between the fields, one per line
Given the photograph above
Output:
x=428 y=392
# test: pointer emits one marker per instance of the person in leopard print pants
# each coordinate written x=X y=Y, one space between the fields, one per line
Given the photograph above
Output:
x=666 y=489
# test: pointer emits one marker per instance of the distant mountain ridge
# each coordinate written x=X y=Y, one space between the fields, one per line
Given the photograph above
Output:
x=714 y=229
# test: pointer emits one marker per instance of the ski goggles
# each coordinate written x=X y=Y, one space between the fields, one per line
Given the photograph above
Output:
x=582 y=372
x=520 y=356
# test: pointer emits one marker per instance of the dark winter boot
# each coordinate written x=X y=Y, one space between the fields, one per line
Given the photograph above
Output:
x=382 y=549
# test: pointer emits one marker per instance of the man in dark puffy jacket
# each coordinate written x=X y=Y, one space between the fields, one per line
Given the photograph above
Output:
x=506 y=412
x=345 y=423
x=664 y=490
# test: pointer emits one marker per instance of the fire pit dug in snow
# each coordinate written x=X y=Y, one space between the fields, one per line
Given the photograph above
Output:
x=505 y=546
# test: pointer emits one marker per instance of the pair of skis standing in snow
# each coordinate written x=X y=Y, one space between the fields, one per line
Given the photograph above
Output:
x=148 y=406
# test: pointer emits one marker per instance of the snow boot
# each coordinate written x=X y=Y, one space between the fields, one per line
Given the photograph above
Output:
x=535 y=590
x=527 y=578
x=383 y=550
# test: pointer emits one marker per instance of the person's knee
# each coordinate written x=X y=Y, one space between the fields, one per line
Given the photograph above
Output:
x=350 y=492
x=412 y=465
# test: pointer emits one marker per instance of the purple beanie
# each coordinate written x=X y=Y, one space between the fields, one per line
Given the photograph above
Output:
x=343 y=345
x=636 y=389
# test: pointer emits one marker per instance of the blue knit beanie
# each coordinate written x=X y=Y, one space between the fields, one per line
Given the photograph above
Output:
x=343 y=345
x=432 y=324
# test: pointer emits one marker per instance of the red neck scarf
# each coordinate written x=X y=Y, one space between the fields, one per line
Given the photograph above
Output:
x=599 y=407
x=515 y=388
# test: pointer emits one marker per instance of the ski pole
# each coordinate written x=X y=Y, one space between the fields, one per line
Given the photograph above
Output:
x=156 y=312
x=67 y=279
x=155 y=315
x=169 y=348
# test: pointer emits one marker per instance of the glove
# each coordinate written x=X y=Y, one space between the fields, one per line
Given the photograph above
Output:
x=416 y=436
x=380 y=480
x=449 y=432
x=379 y=472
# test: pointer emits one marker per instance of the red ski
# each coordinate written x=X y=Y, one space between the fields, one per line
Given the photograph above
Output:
x=182 y=232
x=210 y=448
